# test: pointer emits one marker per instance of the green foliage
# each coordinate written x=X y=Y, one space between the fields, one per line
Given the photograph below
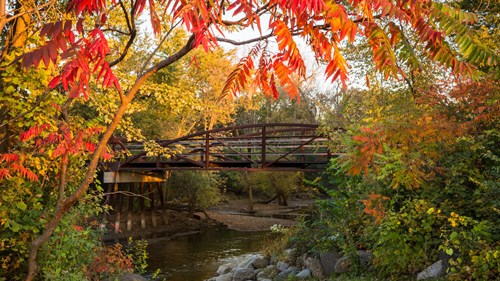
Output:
x=417 y=182
x=407 y=240
x=71 y=249
x=282 y=184
x=136 y=250
x=198 y=188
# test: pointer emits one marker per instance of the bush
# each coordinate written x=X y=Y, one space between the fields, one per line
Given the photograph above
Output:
x=417 y=183
x=198 y=188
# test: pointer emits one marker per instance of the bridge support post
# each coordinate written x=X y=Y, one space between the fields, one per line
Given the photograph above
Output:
x=118 y=218
x=143 y=207
x=162 y=203
x=152 y=206
x=130 y=207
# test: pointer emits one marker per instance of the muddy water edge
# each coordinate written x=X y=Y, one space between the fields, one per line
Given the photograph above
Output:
x=196 y=257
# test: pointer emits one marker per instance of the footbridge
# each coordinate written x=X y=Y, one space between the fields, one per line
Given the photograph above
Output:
x=138 y=182
x=269 y=147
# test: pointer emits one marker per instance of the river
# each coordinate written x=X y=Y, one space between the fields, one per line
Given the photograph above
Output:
x=196 y=257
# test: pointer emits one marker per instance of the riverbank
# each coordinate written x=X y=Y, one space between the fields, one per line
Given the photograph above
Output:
x=231 y=213
x=234 y=214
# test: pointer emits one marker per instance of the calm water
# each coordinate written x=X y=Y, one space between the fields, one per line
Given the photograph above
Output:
x=196 y=257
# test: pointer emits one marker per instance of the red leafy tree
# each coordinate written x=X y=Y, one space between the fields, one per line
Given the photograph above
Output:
x=77 y=44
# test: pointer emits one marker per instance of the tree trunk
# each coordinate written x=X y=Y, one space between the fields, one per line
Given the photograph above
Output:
x=68 y=202
x=249 y=192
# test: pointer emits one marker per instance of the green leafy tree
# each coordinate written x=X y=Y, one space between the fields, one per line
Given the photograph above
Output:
x=201 y=189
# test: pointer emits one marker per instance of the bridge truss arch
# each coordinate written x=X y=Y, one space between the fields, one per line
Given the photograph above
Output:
x=268 y=147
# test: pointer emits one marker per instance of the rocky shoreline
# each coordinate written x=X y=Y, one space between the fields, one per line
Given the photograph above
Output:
x=260 y=268
x=257 y=267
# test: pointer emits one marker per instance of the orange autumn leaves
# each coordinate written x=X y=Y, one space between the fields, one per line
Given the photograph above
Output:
x=374 y=206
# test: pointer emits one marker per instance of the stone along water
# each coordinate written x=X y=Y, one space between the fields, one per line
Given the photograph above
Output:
x=196 y=257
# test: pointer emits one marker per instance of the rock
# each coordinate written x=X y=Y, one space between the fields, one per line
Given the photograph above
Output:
x=266 y=273
x=288 y=272
x=300 y=262
x=130 y=277
x=225 y=268
x=262 y=275
x=282 y=266
x=270 y=268
x=365 y=258
x=211 y=279
x=290 y=254
x=436 y=270
x=247 y=263
x=225 y=277
x=342 y=265
x=314 y=265
x=304 y=274
x=264 y=279
x=328 y=261
x=260 y=262
x=243 y=274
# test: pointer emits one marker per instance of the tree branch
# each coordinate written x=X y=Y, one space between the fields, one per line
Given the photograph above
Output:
x=132 y=32
x=249 y=41
x=3 y=14
x=158 y=47
x=66 y=204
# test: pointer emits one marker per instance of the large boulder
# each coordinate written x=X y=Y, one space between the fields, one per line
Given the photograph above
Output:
x=314 y=265
x=260 y=262
x=365 y=258
x=243 y=274
x=225 y=268
x=247 y=262
x=342 y=265
x=328 y=261
x=225 y=277
x=436 y=270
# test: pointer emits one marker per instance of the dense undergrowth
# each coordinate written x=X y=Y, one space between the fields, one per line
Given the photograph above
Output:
x=417 y=183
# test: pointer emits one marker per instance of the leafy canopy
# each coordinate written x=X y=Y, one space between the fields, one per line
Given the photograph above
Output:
x=324 y=25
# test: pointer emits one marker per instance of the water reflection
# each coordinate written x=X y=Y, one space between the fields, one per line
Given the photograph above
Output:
x=196 y=257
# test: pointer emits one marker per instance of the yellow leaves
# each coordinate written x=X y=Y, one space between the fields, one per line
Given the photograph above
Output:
x=455 y=219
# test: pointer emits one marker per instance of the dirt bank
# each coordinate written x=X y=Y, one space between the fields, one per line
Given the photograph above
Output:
x=232 y=213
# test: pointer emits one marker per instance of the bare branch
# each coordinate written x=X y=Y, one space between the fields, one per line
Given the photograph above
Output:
x=4 y=19
x=158 y=47
x=249 y=41
x=132 y=32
